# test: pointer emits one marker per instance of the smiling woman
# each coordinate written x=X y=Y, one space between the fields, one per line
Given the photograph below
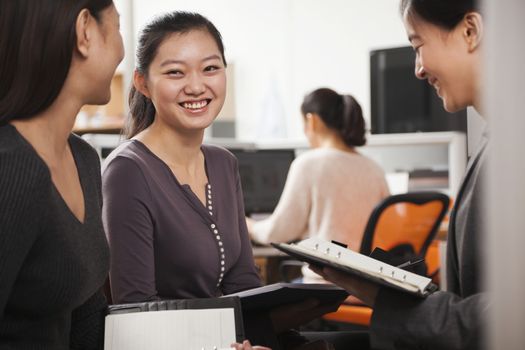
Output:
x=173 y=208
x=186 y=82
x=447 y=36
x=57 y=55
x=156 y=58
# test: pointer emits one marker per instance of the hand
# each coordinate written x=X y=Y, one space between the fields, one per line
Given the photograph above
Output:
x=247 y=346
x=359 y=287
x=291 y=316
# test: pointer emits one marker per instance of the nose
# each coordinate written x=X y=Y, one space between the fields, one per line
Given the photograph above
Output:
x=419 y=70
x=195 y=85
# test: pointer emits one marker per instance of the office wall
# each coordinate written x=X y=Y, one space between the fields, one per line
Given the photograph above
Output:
x=282 y=49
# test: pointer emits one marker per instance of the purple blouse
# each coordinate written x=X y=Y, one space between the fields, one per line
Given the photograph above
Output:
x=165 y=244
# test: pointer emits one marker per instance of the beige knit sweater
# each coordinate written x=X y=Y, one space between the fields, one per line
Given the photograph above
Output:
x=330 y=194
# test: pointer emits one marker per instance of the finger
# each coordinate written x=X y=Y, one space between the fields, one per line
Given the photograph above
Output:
x=337 y=276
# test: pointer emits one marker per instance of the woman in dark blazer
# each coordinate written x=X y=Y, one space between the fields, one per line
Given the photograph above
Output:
x=446 y=36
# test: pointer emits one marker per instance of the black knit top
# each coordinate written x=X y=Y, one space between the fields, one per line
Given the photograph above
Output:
x=52 y=266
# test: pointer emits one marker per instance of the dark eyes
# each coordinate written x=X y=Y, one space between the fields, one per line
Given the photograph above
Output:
x=211 y=68
x=180 y=73
x=174 y=72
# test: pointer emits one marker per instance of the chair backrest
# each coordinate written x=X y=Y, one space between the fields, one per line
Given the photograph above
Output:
x=410 y=218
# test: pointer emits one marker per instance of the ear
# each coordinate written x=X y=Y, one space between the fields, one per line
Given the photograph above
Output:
x=140 y=83
x=473 y=30
x=309 y=122
x=83 y=31
x=317 y=124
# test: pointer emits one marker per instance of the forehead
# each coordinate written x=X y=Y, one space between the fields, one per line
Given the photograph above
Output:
x=418 y=28
x=194 y=44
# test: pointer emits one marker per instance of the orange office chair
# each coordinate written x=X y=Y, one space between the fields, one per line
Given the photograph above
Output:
x=404 y=220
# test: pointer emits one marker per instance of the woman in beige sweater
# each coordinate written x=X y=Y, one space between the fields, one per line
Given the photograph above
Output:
x=331 y=189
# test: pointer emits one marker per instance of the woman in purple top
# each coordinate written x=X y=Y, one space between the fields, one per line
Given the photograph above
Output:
x=173 y=208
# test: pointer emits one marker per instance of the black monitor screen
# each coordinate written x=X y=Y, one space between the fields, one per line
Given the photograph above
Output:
x=263 y=175
x=402 y=103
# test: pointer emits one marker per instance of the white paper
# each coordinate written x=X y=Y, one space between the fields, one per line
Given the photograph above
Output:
x=207 y=329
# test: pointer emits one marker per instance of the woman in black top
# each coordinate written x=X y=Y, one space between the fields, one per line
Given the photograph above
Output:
x=57 y=55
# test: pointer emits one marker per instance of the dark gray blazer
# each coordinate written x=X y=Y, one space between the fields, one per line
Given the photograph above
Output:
x=451 y=319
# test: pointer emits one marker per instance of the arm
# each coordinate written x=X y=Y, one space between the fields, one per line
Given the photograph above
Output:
x=22 y=207
x=130 y=229
x=289 y=221
x=443 y=320
x=244 y=274
x=401 y=321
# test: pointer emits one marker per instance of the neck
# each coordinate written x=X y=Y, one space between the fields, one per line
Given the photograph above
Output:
x=48 y=132
x=477 y=88
x=478 y=105
x=172 y=146
x=334 y=141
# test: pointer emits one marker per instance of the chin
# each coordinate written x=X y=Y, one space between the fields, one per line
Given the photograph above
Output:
x=451 y=106
x=100 y=100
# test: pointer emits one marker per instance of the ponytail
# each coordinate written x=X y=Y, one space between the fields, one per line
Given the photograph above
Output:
x=141 y=113
x=353 y=123
x=341 y=113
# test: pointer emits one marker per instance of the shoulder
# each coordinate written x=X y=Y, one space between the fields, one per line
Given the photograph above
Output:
x=313 y=158
x=371 y=164
x=19 y=162
x=219 y=154
x=23 y=173
x=129 y=166
x=129 y=154
x=82 y=147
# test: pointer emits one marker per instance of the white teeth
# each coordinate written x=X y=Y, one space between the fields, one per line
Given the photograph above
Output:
x=195 y=105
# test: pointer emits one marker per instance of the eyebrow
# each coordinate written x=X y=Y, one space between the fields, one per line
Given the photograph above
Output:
x=170 y=61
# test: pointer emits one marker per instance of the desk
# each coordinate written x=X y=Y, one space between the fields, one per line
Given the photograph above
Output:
x=266 y=252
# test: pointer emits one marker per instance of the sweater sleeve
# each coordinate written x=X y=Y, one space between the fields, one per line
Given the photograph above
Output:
x=289 y=220
x=130 y=229
x=244 y=274
x=22 y=194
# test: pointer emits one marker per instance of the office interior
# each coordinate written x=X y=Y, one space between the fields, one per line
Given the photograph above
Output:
x=287 y=48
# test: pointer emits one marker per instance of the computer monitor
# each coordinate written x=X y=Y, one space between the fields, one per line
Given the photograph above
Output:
x=263 y=175
x=402 y=103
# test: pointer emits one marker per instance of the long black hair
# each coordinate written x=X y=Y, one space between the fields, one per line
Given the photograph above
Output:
x=339 y=112
x=141 y=109
x=443 y=13
x=37 y=39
